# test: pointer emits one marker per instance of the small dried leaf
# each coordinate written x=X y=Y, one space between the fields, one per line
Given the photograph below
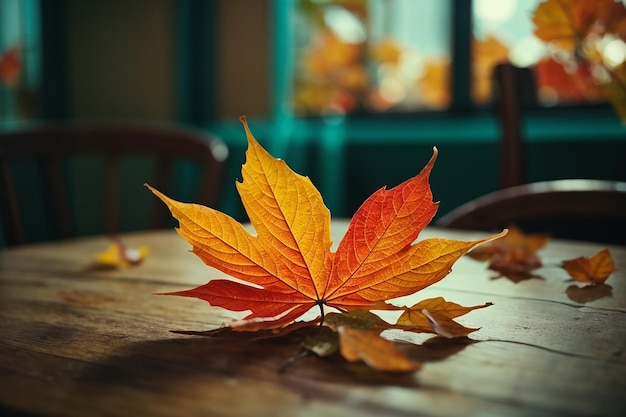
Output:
x=376 y=352
x=413 y=316
x=118 y=255
x=595 y=270
x=513 y=256
x=447 y=327
x=437 y=314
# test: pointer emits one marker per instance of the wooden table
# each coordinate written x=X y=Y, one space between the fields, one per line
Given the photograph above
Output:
x=76 y=341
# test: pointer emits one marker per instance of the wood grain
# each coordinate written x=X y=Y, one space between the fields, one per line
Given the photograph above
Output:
x=79 y=341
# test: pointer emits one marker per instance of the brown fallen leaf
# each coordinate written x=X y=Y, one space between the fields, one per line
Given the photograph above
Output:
x=378 y=353
x=594 y=270
x=447 y=327
x=324 y=343
x=357 y=319
x=357 y=337
x=515 y=255
x=437 y=314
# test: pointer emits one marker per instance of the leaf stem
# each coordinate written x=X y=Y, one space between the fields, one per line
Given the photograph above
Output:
x=320 y=304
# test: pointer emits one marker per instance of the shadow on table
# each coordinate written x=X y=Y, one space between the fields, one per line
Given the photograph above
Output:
x=243 y=355
x=588 y=293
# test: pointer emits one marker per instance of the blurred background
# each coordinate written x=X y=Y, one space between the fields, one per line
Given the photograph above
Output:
x=352 y=93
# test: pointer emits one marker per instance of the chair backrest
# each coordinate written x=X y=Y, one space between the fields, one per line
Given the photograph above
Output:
x=50 y=146
x=514 y=91
x=591 y=210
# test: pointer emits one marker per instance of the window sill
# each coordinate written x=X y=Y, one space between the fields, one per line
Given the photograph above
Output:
x=348 y=158
x=554 y=125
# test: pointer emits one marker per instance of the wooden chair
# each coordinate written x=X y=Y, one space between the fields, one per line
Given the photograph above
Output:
x=590 y=210
x=581 y=209
x=514 y=91
x=52 y=146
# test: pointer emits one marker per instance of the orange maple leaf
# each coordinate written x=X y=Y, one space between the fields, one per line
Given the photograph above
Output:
x=594 y=270
x=287 y=268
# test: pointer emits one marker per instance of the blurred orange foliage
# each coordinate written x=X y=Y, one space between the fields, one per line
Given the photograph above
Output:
x=590 y=36
x=485 y=55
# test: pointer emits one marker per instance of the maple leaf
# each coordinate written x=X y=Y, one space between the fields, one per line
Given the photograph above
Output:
x=287 y=268
x=594 y=270
x=515 y=255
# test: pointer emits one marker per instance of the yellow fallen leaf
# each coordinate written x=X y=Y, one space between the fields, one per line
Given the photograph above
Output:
x=118 y=255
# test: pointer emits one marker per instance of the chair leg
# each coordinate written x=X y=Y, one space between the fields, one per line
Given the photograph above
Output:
x=11 y=219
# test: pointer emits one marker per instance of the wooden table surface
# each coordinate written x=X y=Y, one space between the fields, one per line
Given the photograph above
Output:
x=77 y=341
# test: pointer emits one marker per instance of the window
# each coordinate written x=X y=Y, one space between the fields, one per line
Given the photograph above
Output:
x=381 y=56
x=371 y=56
x=19 y=60
x=504 y=30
